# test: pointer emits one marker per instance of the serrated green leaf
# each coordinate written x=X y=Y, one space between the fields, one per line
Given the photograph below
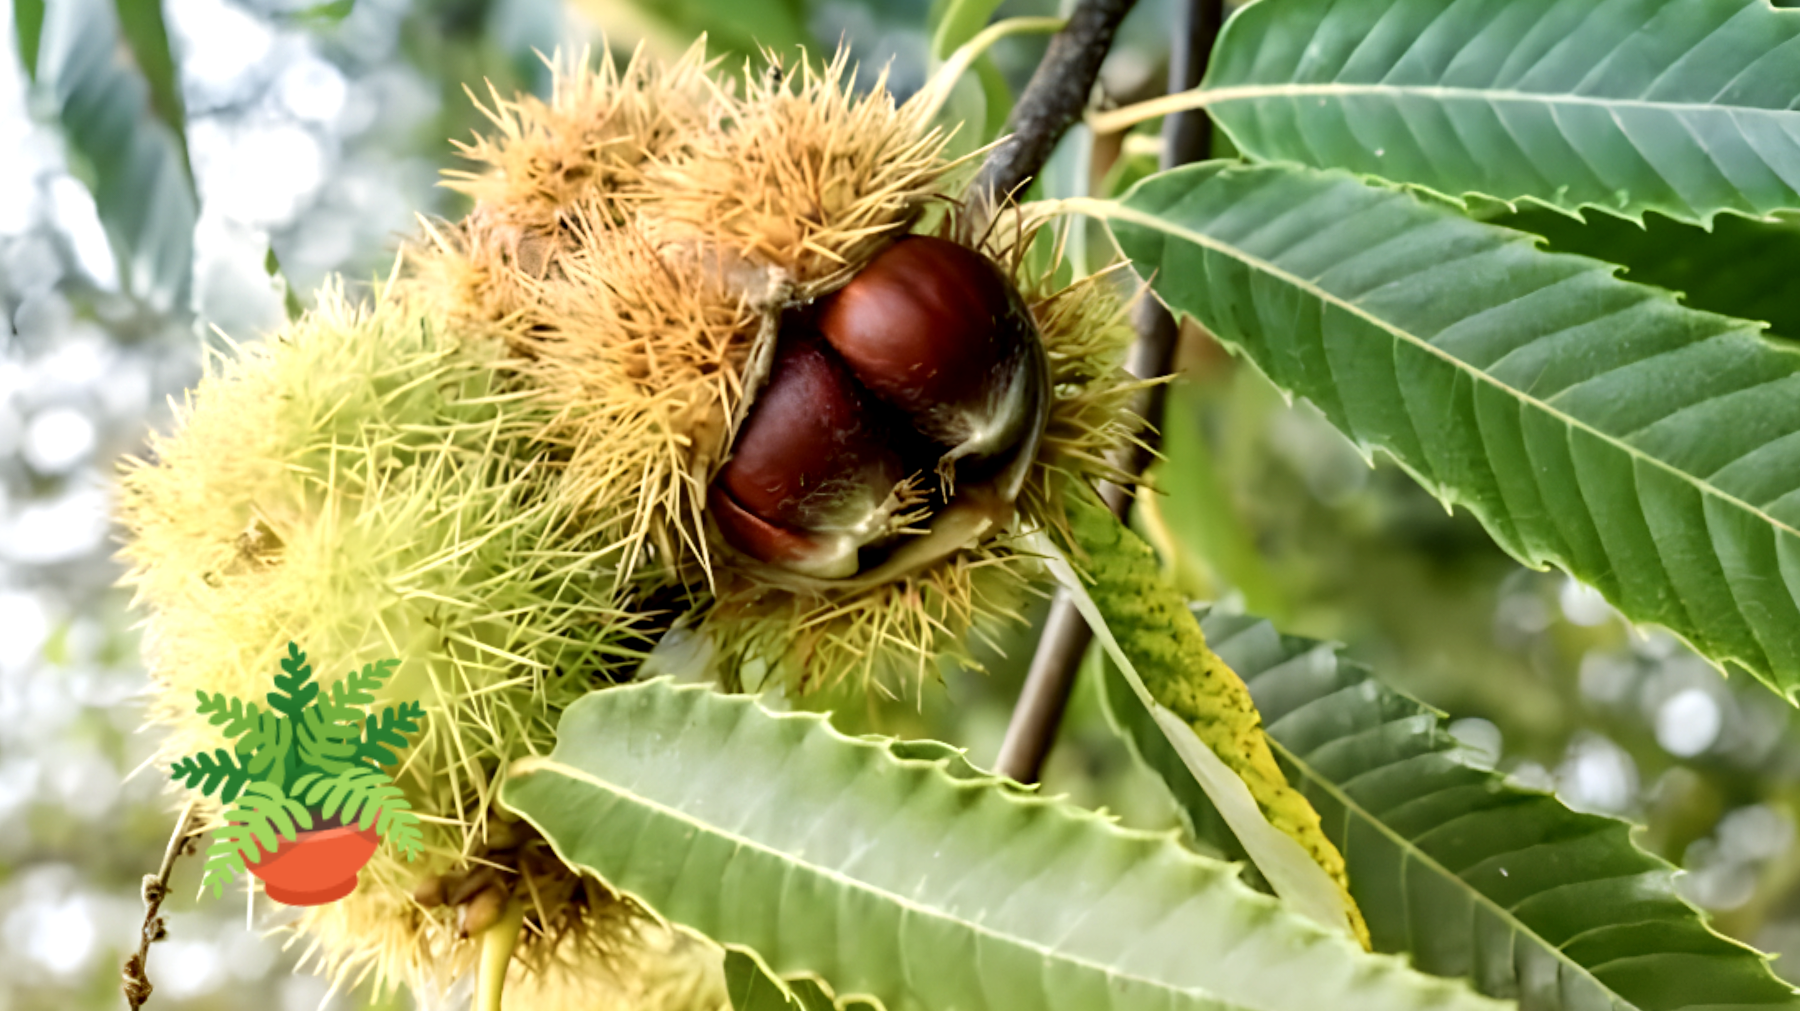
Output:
x=752 y=987
x=832 y=856
x=1684 y=107
x=1592 y=424
x=131 y=159
x=1469 y=874
x=953 y=760
x=1741 y=268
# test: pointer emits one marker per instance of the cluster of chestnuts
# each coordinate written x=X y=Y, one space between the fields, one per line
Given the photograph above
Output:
x=919 y=386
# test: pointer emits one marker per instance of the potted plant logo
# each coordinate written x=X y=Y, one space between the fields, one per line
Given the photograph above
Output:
x=311 y=800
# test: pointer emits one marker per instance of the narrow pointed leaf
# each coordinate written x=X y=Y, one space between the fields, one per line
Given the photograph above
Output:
x=28 y=26
x=1201 y=706
x=1469 y=874
x=141 y=25
x=1651 y=450
x=890 y=879
x=1685 y=107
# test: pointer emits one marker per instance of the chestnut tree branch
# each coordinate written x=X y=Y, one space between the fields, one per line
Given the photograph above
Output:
x=1187 y=136
x=156 y=888
x=1054 y=98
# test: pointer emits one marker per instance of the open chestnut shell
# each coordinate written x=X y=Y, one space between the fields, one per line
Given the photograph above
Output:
x=927 y=362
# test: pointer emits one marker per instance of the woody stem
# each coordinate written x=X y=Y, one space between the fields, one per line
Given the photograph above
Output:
x=1054 y=98
x=1187 y=136
x=156 y=888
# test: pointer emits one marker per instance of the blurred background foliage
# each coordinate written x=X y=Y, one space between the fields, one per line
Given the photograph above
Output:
x=164 y=168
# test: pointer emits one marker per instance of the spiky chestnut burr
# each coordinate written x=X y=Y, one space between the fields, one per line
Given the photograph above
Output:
x=931 y=334
x=500 y=470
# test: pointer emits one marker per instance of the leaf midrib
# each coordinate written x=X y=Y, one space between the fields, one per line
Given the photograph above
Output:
x=1214 y=97
x=527 y=766
x=1107 y=210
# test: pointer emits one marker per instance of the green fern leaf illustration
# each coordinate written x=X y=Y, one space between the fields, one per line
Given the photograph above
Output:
x=224 y=862
x=358 y=688
x=270 y=748
x=347 y=795
x=324 y=744
x=220 y=769
x=400 y=827
x=235 y=715
x=295 y=689
x=384 y=736
x=377 y=800
x=262 y=818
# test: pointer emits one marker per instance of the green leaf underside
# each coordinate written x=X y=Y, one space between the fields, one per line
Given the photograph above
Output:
x=1685 y=107
x=1741 y=268
x=891 y=879
x=1650 y=450
x=1468 y=875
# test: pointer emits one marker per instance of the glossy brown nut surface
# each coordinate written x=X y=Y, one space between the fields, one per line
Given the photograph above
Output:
x=828 y=556
x=934 y=328
x=812 y=454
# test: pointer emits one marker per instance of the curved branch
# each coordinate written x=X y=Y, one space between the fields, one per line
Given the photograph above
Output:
x=156 y=888
x=1054 y=99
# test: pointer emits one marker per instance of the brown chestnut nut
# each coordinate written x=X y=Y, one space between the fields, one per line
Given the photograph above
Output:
x=828 y=556
x=938 y=330
x=812 y=474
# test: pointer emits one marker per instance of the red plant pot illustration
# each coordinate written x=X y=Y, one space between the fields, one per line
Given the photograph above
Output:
x=316 y=867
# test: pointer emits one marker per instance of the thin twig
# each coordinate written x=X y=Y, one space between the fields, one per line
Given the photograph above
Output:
x=1054 y=98
x=1187 y=136
x=156 y=888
